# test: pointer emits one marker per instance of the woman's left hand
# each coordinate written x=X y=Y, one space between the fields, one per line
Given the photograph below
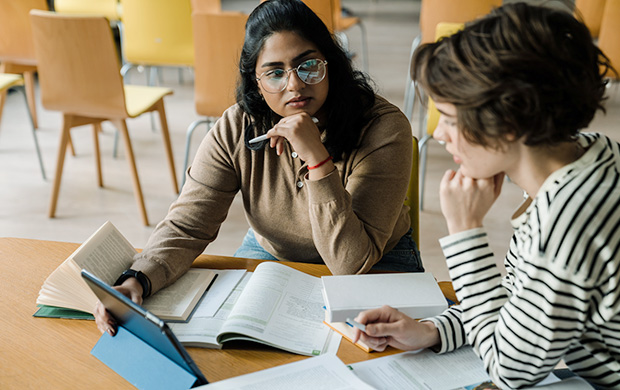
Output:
x=465 y=201
x=303 y=135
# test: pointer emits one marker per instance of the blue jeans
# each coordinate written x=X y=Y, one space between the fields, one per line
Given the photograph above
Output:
x=405 y=256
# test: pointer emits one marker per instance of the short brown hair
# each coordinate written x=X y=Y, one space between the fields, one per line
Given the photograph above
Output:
x=524 y=70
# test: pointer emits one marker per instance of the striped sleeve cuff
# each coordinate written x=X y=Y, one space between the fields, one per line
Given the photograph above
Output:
x=451 y=332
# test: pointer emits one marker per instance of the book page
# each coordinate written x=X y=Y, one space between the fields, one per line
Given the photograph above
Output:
x=282 y=307
x=322 y=372
x=203 y=328
x=176 y=301
x=106 y=254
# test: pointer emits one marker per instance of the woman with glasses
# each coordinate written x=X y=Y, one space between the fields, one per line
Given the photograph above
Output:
x=327 y=182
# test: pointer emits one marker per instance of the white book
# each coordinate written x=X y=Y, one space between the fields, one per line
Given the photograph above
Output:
x=106 y=254
x=416 y=294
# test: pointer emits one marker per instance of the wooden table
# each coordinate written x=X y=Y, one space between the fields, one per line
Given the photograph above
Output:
x=55 y=353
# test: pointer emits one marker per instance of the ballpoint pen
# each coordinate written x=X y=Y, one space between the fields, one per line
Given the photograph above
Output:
x=356 y=324
x=264 y=136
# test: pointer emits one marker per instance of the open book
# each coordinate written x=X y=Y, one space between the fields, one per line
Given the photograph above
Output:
x=275 y=305
x=106 y=254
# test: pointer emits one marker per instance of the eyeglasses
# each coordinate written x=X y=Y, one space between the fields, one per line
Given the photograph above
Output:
x=310 y=72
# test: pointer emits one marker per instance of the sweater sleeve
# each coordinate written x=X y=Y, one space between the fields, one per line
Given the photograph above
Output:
x=352 y=222
x=194 y=219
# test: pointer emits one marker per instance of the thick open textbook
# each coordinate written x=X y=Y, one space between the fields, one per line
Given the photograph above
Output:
x=416 y=294
x=106 y=254
x=275 y=305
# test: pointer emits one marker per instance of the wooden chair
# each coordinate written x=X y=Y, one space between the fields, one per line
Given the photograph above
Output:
x=342 y=23
x=16 y=49
x=79 y=76
x=431 y=119
x=206 y=6
x=17 y=82
x=608 y=39
x=217 y=67
x=591 y=13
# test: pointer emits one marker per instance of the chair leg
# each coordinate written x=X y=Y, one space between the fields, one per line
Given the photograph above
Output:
x=96 y=131
x=60 y=161
x=364 y=47
x=2 y=99
x=137 y=189
x=168 y=146
x=188 y=140
x=34 y=134
x=152 y=74
x=29 y=83
x=423 y=149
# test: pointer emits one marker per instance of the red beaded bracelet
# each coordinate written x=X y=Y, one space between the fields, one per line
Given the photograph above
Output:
x=321 y=163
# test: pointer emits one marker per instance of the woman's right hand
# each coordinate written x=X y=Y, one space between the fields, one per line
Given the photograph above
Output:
x=388 y=326
x=132 y=289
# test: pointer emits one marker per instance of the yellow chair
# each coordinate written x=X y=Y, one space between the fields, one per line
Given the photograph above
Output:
x=217 y=67
x=591 y=13
x=79 y=76
x=108 y=8
x=17 y=82
x=413 y=195
x=433 y=12
x=608 y=39
x=156 y=33
x=16 y=50
x=432 y=115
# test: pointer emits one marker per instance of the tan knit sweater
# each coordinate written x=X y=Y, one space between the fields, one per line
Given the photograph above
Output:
x=346 y=220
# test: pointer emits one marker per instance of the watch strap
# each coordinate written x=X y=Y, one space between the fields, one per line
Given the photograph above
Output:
x=144 y=281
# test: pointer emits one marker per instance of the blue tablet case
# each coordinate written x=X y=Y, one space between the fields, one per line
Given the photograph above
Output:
x=139 y=363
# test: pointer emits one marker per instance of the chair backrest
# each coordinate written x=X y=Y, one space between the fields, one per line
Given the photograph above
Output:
x=158 y=32
x=432 y=115
x=324 y=9
x=15 y=32
x=206 y=6
x=591 y=12
x=413 y=195
x=79 y=72
x=218 y=41
x=107 y=8
x=609 y=36
x=452 y=11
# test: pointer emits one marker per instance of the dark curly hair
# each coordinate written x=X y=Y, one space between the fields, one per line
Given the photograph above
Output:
x=350 y=95
x=524 y=70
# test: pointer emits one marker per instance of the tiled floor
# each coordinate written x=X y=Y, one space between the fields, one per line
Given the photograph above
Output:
x=83 y=207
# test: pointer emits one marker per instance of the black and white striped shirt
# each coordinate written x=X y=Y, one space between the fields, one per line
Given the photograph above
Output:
x=560 y=298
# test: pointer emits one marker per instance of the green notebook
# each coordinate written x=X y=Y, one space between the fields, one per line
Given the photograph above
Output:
x=46 y=311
